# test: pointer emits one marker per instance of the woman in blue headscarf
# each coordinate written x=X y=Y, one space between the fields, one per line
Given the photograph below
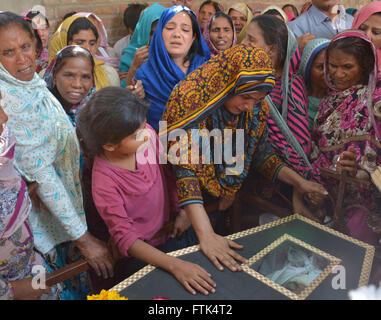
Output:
x=312 y=70
x=177 y=48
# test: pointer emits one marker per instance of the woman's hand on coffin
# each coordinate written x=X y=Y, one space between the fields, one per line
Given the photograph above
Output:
x=220 y=251
x=181 y=224
x=193 y=277
x=347 y=162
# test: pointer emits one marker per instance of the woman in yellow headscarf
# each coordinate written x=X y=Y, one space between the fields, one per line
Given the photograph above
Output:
x=241 y=16
x=81 y=31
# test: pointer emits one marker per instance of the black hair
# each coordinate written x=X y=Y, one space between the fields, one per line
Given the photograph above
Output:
x=274 y=32
x=221 y=14
x=8 y=18
x=195 y=48
x=110 y=115
x=294 y=9
x=132 y=14
x=33 y=14
x=70 y=52
x=216 y=5
x=360 y=49
x=79 y=24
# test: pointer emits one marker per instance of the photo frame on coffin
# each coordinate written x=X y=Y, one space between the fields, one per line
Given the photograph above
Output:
x=324 y=251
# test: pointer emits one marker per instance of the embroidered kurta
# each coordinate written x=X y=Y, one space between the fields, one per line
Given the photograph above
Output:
x=196 y=106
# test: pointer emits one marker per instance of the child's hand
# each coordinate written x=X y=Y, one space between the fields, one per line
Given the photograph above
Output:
x=193 y=277
x=181 y=224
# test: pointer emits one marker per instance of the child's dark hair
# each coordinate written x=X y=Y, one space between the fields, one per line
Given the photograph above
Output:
x=79 y=24
x=110 y=115
x=132 y=14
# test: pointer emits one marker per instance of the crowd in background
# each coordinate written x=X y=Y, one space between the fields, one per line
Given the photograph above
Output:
x=81 y=134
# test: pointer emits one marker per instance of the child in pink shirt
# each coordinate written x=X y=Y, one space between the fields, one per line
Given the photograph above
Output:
x=134 y=194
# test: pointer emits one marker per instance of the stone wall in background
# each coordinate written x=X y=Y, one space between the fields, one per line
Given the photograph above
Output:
x=111 y=11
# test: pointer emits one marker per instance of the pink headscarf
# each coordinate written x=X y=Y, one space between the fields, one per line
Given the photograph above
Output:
x=372 y=77
x=290 y=16
x=363 y=15
x=206 y=34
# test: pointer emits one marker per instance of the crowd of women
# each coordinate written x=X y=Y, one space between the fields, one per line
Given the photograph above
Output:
x=82 y=136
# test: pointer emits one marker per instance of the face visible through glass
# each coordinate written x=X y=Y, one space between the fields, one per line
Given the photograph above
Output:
x=317 y=71
x=344 y=69
x=178 y=35
x=85 y=39
x=18 y=52
x=204 y=15
x=221 y=33
x=372 y=27
x=239 y=20
x=74 y=80
x=244 y=102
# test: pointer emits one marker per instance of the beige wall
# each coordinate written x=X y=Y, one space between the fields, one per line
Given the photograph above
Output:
x=18 y=6
x=111 y=11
